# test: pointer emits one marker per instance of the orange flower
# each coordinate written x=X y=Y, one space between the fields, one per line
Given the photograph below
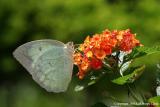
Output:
x=94 y=49
x=106 y=48
x=96 y=63
x=83 y=67
x=86 y=43
x=81 y=73
x=106 y=31
x=99 y=53
x=85 y=64
x=119 y=36
x=89 y=54
x=129 y=41
x=95 y=41
x=77 y=58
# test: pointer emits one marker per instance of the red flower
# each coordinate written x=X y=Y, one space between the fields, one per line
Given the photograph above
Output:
x=129 y=41
x=99 y=53
x=94 y=49
x=96 y=63
x=107 y=49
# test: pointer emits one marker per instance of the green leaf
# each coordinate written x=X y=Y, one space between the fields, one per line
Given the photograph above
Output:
x=122 y=80
x=138 y=72
x=99 y=105
x=142 y=51
x=130 y=78
x=155 y=101
x=149 y=50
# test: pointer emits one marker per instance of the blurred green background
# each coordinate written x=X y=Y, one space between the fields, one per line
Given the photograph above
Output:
x=70 y=20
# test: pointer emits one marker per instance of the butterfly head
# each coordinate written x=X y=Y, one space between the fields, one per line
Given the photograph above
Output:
x=70 y=46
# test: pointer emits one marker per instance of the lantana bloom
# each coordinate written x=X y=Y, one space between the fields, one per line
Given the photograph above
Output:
x=92 y=52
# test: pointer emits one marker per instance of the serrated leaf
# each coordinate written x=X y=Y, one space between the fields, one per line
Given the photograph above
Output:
x=155 y=101
x=142 y=51
x=130 y=78
x=122 y=80
x=149 y=50
x=138 y=72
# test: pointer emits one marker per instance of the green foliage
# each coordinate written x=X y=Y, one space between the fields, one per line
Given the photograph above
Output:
x=99 y=105
x=89 y=80
x=142 y=51
x=130 y=78
x=155 y=101
x=70 y=20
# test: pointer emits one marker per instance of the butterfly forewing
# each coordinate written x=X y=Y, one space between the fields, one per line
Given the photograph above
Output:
x=49 y=62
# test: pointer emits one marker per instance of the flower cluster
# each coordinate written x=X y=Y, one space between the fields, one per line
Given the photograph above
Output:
x=91 y=53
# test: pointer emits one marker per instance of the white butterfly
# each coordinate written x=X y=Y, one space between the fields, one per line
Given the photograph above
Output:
x=158 y=91
x=50 y=63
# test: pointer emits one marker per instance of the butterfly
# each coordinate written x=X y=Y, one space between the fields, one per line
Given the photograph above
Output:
x=50 y=62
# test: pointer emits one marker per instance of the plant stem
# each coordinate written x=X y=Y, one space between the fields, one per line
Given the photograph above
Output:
x=113 y=98
x=142 y=95
x=133 y=94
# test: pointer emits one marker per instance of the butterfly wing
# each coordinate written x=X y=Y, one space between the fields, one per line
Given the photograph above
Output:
x=50 y=63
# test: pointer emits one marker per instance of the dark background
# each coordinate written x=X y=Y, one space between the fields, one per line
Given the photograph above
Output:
x=22 y=21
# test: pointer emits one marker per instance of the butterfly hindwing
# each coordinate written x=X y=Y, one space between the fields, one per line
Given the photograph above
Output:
x=49 y=62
